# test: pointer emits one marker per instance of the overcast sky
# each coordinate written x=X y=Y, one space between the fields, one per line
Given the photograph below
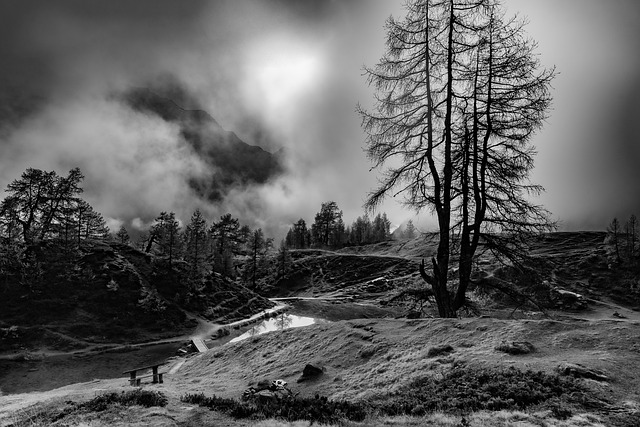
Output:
x=288 y=73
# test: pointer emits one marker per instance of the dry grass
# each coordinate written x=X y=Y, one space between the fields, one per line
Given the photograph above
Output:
x=370 y=358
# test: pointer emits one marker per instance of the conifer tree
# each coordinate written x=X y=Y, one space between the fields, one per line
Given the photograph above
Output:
x=122 y=236
x=196 y=244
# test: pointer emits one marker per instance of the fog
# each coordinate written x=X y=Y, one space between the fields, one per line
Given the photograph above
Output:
x=287 y=74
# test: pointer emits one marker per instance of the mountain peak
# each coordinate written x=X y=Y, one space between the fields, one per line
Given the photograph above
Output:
x=232 y=161
x=147 y=101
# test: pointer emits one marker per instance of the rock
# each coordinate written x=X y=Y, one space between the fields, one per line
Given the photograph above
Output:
x=515 y=347
x=579 y=371
x=267 y=394
x=567 y=300
x=439 y=351
x=263 y=384
x=310 y=372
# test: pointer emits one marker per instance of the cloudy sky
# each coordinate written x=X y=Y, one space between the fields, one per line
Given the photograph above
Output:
x=288 y=73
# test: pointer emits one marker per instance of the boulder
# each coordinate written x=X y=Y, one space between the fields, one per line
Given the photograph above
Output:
x=567 y=300
x=580 y=371
x=515 y=347
x=439 y=350
x=310 y=372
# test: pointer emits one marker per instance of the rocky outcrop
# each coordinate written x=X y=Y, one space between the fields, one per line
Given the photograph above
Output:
x=310 y=372
x=579 y=371
x=515 y=347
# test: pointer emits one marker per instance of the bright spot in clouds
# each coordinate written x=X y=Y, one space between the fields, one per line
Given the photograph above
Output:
x=280 y=73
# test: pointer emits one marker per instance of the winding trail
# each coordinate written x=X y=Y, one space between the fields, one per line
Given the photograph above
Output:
x=204 y=330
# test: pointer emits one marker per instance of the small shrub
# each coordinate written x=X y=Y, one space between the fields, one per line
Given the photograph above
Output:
x=48 y=416
x=439 y=351
x=320 y=410
x=515 y=347
x=560 y=411
x=472 y=390
x=134 y=397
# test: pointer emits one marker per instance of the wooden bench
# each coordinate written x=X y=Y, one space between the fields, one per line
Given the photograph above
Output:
x=135 y=380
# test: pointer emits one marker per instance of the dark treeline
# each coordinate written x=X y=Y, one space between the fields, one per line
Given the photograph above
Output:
x=43 y=220
x=329 y=231
x=43 y=206
x=45 y=211
x=224 y=246
x=43 y=224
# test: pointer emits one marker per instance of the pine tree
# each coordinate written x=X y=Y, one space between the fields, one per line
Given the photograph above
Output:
x=632 y=235
x=284 y=260
x=227 y=239
x=409 y=230
x=614 y=232
x=326 y=223
x=122 y=236
x=196 y=244
x=256 y=244
x=165 y=233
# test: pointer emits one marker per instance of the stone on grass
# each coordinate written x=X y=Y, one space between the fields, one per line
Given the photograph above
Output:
x=516 y=347
x=439 y=351
x=580 y=371
x=310 y=372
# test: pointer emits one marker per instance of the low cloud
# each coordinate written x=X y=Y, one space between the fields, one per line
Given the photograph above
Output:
x=272 y=74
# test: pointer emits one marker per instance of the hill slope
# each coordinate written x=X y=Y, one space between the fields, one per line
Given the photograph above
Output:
x=382 y=360
x=367 y=360
x=112 y=293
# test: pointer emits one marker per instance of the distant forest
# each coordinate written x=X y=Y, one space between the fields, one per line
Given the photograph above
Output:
x=328 y=230
x=44 y=220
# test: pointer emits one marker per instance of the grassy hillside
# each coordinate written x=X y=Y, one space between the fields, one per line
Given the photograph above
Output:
x=112 y=293
x=389 y=364
x=569 y=365
x=386 y=274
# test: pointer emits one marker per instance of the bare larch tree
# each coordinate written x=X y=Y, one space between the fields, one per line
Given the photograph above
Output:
x=459 y=94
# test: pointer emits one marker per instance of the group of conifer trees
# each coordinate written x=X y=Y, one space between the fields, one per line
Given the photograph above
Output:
x=43 y=223
x=44 y=209
x=624 y=238
x=44 y=206
x=225 y=246
x=329 y=231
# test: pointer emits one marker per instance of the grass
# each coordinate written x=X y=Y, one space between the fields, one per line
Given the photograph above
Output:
x=50 y=414
x=460 y=391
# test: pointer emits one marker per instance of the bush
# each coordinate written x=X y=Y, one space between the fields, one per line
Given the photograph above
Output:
x=134 y=397
x=438 y=351
x=319 y=409
x=97 y=404
x=515 y=347
x=472 y=390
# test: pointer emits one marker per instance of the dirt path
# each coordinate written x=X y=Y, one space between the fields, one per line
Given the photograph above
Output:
x=606 y=310
x=203 y=330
